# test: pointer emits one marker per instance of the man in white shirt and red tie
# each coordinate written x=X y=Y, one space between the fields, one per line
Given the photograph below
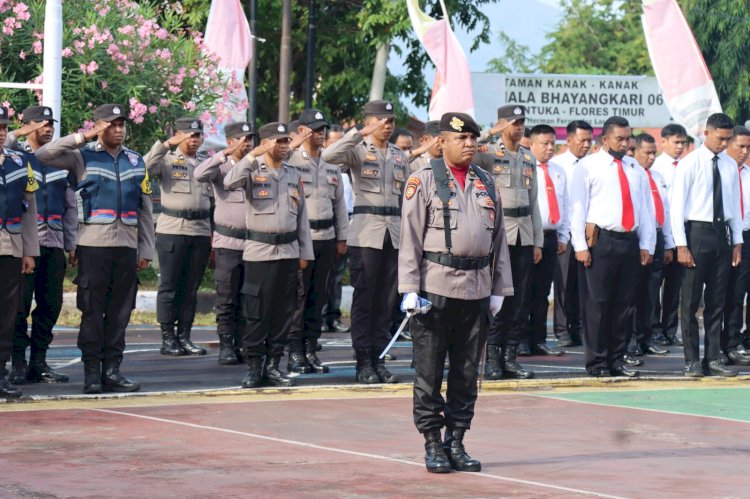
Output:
x=613 y=234
x=707 y=228
x=739 y=276
x=673 y=141
x=567 y=316
x=554 y=210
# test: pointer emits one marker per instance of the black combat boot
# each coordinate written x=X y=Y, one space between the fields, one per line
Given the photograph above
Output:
x=311 y=347
x=435 y=459
x=454 y=448
x=113 y=381
x=274 y=375
x=7 y=390
x=364 y=373
x=297 y=362
x=183 y=339
x=227 y=355
x=254 y=375
x=92 y=371
x=493 y=368
x=511 y=368
x=169 y=343
x=40 y=372
x=384 y=375
x=238 y=346
x=18 y=368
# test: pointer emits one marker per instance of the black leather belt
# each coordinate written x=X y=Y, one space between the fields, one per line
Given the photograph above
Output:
x=377 y=210
x=703 y=225
x=521 y=211
x=457 y=262
x=230 y=232
x=619 y=235
x=272 y=238
x=321 y=224
x=186 y=214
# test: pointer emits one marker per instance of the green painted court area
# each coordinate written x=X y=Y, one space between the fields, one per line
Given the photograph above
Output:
x=728 y=403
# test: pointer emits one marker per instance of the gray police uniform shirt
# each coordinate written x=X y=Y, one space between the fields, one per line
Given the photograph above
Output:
x=515 y=176
x=230 y=203
x=473 y=218
x=179 y=191
x=378 y=179
x=64 y=153
x=324 y=195
x=275 y=204
x=27 y=242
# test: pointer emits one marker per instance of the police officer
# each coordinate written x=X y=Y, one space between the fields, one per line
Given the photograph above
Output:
x=429 y=147
x=228 y=237
x=514 y=170
x=379 y=173
x=19 y=242
x=115 y=239
x=452 y=232
x=57 y=223
x=278 y=243
x=183 y=234
x=329 y=225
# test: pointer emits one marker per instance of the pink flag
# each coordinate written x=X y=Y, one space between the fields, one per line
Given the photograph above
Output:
x=687 y=86
x=452 y=88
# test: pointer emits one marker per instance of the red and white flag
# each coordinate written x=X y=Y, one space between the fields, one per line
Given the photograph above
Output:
x=451 y=91
x=685 y=81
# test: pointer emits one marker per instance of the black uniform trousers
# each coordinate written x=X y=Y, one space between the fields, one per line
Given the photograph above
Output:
x=45 y=286
x=737 y=288
x=229 y=274
x=458 y=328
x=667 y=314
x=313 y=287
x=10 y=297
x=510 y=326
x=542 y=276
x=608 y=297
x=567 y=316
x=332 y=308
x=182 y=262
x=712 y=253
x=649 y=282
x=107 y=285
x=267 y=306
x=374 y=277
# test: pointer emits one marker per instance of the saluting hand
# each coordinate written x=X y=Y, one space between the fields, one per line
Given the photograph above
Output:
x=94 y=132
x=263 y=148
x=299 y=139
x=685 y=257
x=423 y=148
x=372 y=127
x=29 y=128
x=178 y=138
x=234 y=147
x=584 y=257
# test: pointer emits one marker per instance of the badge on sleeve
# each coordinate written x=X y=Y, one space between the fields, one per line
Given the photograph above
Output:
x=146 y=185
x=32 y=185
x=411 y=187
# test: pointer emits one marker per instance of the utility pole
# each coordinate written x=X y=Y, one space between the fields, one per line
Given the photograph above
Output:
x=285 y=60
x=251 y=10
x=379 y=71
x=309 y=83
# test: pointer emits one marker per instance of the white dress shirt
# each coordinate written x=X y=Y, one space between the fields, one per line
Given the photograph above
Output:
x=557 y=175
x=568 y=162
x=664 y=166
x=692 y=196
x=666 y=229
x=745 y=179
x=596 y=198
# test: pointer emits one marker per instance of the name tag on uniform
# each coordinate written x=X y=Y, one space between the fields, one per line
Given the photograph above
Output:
x=262 y=190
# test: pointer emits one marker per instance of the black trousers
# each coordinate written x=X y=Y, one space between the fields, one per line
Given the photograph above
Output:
x=10 y=297
x=509 y=327
x=229 y=274
x=374 y=276
x=458 y=328
x=667 y=313
x=649 y=282
x=46 y=286
x=542 y=276
x=608 y=297
x=332 y=308
x=182 y=262
x=737 y=288
x=713 y=260
x=567 y=316
x=267 y=306
x=313 y=287
x=107 y=285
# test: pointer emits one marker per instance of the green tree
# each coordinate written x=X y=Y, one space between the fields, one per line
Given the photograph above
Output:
x=517 y=57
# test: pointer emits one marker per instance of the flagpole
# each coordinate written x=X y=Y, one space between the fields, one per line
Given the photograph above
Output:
x=52 y=60
x=252 y=73
x=311 y=18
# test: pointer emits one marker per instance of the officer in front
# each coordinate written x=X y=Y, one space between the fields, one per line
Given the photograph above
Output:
x=115 y=239
x=453 y=253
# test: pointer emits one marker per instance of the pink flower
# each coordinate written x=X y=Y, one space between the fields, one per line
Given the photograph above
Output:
x=66 y=52
x=93 y=66
x=37 y=46
x=22 y=12
x=87 y=125
x=11 y=111
x=152 y=109
x=164 y=102
x=161 y=34
x=137 y=110
x=22 y=55
x=127 y=30
x=189 y=105
x=104 y=84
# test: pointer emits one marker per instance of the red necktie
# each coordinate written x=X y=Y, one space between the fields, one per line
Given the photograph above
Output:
x=742 y=201
x=657 y=200
x=554 y=208
x=628 y=215
x=675 y=163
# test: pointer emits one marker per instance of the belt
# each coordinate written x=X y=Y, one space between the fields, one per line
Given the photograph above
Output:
x=272 y=238
x=186 y=214
x=521 y=211
x=457 y=262
x=619 y=235
x=321 y=224
x=378 y=210
x=550 y=232
x=230 y=232
x=702 y=225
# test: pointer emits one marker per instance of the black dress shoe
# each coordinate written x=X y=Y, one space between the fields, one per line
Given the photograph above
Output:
x=716 y=368
x=631 y=361
x=599 y=372
x=7 y=390
x=545 y=349
x=43 y=373
x=435 y=459
x=454 y=448
x=113 y=381
x=738 y=358
x=338 y=327
x=674 y=340
x=523 y=350
x=660 y=339
x=636 y=350
x=406 y=335
x=693 y=369
x=624 y=371
x=654 y=349
x=18 y=373
x=564 y=340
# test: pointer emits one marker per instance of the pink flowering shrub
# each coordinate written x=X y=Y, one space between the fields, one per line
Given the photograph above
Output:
x=116 y=51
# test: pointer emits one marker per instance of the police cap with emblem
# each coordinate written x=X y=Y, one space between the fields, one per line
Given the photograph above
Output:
x=511 y=112
x=110 y=112
x=313 y=119
x=188 y=124
x=37 y=113
x=4 y=119
x=459 y=123
x=237 y=130
x=380 y=109
x=432 y=127
x=273 y=131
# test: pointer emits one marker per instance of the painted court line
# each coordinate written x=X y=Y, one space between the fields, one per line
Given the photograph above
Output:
x=348 y=452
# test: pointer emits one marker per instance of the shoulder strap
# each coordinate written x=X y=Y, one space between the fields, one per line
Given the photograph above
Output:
x=442 y=183
x=487 y=181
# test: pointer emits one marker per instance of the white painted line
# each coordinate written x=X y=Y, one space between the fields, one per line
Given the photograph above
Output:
x=78 y=359
x=349 y=452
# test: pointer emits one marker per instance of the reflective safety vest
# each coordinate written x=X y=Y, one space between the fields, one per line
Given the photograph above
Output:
x=15 y=179
x=50 y=197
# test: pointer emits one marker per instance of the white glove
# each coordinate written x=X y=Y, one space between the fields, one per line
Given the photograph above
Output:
x=410 y=302
x=496 y=303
